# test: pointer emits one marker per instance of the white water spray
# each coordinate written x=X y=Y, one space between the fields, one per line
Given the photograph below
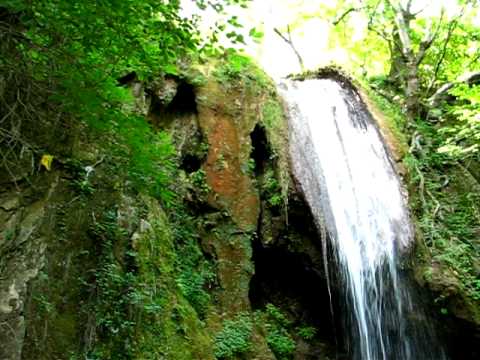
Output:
x=348 y=179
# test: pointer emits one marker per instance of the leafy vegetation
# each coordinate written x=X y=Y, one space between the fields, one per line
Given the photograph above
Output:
x=277 y=327
x=195 y=273
x=116 y=289
x=306 y=332
x=62 y=61
x=234 y=338
x=447 y=208
x=273 y=118
x=147 y=295
x=461 y=138
x=271 y=189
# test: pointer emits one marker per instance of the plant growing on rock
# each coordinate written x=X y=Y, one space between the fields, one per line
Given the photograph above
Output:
x=234 y=338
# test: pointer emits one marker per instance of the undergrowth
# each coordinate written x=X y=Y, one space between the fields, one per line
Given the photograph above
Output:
x=278 y=328
x=446 y=204
x=235 y=338
x=444 y=198
x=149 y=294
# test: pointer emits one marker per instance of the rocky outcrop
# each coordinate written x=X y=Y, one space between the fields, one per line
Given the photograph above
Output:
x=91 y=265
x=25 y=227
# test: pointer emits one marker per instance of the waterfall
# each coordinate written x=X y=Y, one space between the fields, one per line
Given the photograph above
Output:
x=348 y=179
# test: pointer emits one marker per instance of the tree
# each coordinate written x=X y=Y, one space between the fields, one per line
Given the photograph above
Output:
x=419 y=45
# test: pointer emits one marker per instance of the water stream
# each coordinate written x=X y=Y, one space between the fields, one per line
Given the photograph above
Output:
x=348 y=179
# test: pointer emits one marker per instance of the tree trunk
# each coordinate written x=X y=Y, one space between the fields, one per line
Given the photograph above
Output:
x=412 y=87
x=397 y=63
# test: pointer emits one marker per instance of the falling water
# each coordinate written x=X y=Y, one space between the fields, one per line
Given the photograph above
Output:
x=348 y=179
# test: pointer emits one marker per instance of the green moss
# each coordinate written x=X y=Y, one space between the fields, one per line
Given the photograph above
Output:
x=392 y=117
x=275 y=123
x=330 y=72
x=143 y=311
x=237 y=69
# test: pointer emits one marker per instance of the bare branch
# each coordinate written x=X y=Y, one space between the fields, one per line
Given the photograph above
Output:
x=409 y=7
x=289 y=41
x=474 y=59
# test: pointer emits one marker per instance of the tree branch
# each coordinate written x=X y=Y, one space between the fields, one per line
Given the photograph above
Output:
x=289 y=41
x=345 y=14
x=428 y=40
x=402 y=25
x=451 y=27
x=434 y=100
x=409 y=7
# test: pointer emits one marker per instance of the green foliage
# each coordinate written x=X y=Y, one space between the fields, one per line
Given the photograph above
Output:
x=274 y=314
x=237 y=68
x=275 y=123
x=306 y=332
x=80 y=182
x=199 y=181
x=115 y=288
x=194 y=273
x=280 y=342
x=271 y=189
x=278 y=337
x=462 y=137
x=149 y=298
x=234 y=67
x=235 y=337
x=147 y=157
x=395 y=119
x=73 y=54
x=446 y=202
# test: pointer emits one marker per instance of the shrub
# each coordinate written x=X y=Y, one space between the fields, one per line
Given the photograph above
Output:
x=234 y=337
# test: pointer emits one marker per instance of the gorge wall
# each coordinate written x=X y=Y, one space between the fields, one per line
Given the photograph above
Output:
x=227 y=265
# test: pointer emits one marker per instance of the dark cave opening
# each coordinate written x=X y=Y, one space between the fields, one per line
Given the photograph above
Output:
x=289 y=274
x=191 y=163
x=260 y=149
x=283 y=276
x=184 y=101
x=460 y=336
x=183 y=104
x=127 y=78
x=292 y=283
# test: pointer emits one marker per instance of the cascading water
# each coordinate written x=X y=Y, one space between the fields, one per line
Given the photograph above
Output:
x=350 y=184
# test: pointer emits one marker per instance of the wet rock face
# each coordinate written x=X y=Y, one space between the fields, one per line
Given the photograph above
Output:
x=216 y=150
x=23 y=229
x=228 y=135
